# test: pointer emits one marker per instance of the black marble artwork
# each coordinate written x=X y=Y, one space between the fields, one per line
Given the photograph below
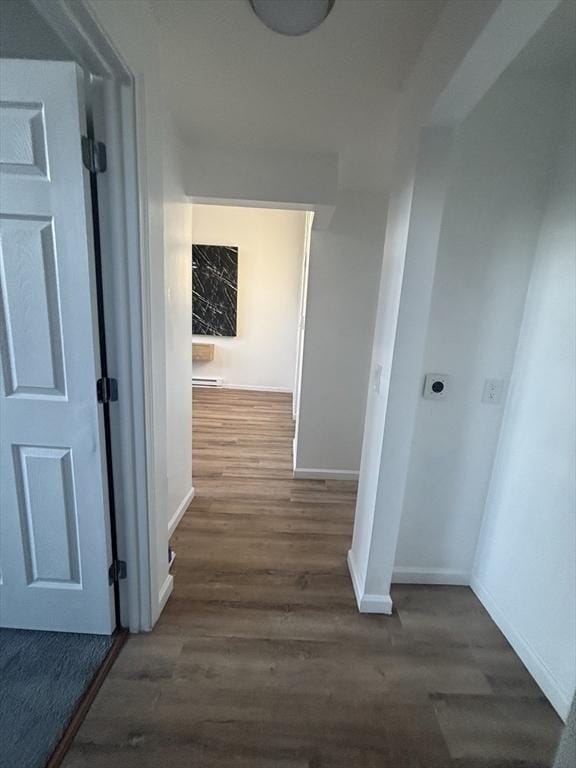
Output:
x=214 y=290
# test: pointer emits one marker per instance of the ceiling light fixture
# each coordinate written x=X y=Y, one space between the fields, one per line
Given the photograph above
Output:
x=292 y=17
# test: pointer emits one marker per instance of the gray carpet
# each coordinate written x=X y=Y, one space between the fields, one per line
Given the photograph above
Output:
x=42 y=678
x=566 y=755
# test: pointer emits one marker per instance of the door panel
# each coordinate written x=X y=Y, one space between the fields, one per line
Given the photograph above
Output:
x=33 y=334
x=54 y=524
x=48 y=514
x=23 y=139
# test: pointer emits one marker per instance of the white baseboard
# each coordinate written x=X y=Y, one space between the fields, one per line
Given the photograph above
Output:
x=257 y=388
x=549 y=684
x=376 y=604
x=165 y=592
x=367 y=603
x=179 y=514
x=355 y=579
x=325 y=474
x=408 y=575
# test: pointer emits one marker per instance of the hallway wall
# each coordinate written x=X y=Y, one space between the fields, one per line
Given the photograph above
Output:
x=387 y=432
x=270 y=251
x=178 y=298
x=345 y=263
x=461 y=59
x=525 y=571
x=502 y=167
x=242 y=174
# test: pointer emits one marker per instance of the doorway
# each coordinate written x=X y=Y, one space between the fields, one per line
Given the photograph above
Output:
x=61 y=612
x=251 y=371
x=58 y=595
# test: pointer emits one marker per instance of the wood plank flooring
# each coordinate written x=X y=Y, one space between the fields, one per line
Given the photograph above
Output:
x=261 y=659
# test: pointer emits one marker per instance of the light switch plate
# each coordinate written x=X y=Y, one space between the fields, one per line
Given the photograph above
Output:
x=435 y=385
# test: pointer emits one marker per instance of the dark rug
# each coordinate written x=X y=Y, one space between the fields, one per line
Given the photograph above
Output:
x=43 y=676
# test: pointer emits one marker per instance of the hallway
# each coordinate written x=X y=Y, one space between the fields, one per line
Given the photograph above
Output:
x=261 y=660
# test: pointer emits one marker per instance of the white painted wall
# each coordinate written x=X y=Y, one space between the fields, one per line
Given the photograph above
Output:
x=343 y=279
x=467 y=51
x=525 y=572
x=178 y=298
x=270 y=251
x=271 y=175
x=441 y=57
x=500 y=173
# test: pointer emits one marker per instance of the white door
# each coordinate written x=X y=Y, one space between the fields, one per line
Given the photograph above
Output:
x=54 y=523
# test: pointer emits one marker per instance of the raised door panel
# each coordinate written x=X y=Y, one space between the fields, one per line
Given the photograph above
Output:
x=48 y=515
x=32 y=357
x=23 y=139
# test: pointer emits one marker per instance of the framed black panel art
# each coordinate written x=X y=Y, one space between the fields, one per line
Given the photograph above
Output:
x=214 y=290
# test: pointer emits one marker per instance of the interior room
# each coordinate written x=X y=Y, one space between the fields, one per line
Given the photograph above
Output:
x=287 y=346
x=249 y=288
x=256 y=349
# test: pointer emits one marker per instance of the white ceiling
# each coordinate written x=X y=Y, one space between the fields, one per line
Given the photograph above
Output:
x=229 y=79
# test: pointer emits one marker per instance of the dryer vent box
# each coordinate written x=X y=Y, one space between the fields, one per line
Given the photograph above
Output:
x=435 y=385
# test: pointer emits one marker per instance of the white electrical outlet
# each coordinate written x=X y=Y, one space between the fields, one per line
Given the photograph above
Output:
x=492 y=393
x=435 y=386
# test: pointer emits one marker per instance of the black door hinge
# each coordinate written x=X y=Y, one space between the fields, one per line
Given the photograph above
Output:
x=93 y=155
x=117 y=571
x=107 y=390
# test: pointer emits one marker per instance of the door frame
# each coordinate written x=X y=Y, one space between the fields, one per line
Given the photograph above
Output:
x=302 y=305
x=123 y=189
x=314 y=219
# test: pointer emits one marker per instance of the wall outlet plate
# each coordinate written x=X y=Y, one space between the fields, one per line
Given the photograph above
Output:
x=435 y=385
x=492 y=393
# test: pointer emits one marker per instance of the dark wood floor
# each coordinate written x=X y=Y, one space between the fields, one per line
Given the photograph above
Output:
x=261 y=659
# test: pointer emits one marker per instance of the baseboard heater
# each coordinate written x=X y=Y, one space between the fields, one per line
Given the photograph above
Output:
x=207 y=381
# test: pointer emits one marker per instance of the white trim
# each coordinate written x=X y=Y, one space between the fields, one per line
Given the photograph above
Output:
x=120 y=236
x=257 y=388
x=165 y=592
x=376 y=604
x=304 y=473
x=408 y=575
x=140 y=436
x=354 y=576
x=75 y=26
x=533 y=662
x=367 y=603
x=179 y=514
